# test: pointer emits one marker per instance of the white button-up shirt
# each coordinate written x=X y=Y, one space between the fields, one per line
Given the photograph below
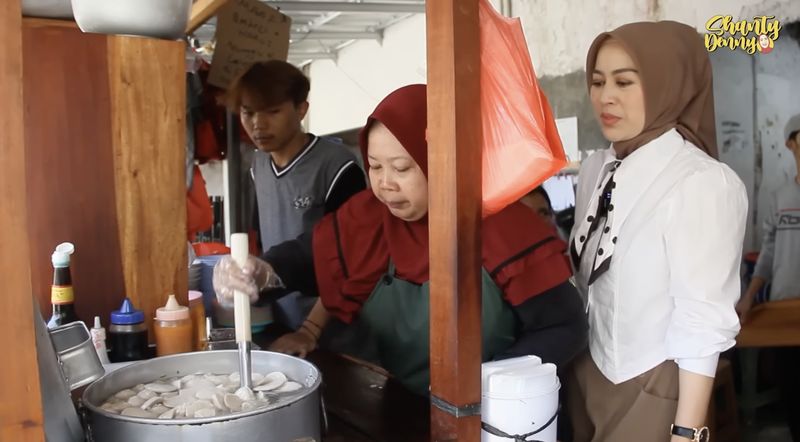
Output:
x=666 y=257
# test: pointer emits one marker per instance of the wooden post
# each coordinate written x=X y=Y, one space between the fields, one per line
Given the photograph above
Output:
x=454 y=134
x=20 y=397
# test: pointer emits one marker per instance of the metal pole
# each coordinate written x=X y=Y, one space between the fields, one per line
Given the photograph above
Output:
x=234 y=176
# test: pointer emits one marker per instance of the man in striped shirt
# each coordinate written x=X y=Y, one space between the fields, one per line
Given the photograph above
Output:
x=298 y=177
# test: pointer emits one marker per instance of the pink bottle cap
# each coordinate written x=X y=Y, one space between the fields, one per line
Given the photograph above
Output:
x=194 y=294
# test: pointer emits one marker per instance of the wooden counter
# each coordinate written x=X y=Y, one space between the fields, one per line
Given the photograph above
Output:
x=772 y=324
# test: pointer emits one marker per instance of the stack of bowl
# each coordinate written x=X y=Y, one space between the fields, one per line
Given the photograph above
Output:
x=196 y=276
x=207 y=264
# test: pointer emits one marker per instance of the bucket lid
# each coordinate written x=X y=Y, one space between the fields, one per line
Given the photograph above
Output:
x=489 y=368
x=127 y=314
x=172 y=311
x=60 y=257
x=522 y=382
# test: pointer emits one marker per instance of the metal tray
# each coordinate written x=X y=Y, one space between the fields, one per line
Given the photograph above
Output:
x=76 y=354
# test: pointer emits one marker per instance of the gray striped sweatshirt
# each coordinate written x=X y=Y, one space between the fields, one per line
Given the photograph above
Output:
x=779 y=260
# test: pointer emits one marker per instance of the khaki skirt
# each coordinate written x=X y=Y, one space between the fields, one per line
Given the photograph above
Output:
x=642 y=408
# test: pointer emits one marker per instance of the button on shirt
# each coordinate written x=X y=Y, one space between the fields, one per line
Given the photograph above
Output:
x=660 y=272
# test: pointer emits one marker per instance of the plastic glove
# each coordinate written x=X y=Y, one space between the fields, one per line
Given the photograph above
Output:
x=256 y=275
x=299 y=343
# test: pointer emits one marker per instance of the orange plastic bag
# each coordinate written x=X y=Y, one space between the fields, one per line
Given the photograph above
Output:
x=521 y=146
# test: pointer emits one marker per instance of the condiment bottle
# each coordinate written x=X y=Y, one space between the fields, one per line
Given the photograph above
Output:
x=61 y=294
x=127 y=333
x=99 y=340
x=198 y=314
x=173 y=327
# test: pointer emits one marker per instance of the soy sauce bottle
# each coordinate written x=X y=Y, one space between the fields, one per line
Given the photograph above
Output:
x=62 y=296
x=127 y=334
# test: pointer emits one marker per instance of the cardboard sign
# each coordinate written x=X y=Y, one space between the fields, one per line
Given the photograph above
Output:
x=248 y=31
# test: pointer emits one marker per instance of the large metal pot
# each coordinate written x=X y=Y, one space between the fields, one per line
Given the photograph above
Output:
x=149 y=18
x=296 y=419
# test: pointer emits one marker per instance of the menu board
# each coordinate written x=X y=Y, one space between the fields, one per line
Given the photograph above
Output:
x=248 y=31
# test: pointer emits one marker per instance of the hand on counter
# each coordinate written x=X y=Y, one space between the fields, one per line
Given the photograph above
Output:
x=299 y=343
x=250 y=279
x=743 y=308
x=747 y=299
x=304 y=340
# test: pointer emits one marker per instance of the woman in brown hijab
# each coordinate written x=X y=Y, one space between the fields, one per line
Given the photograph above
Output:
x=657 y=240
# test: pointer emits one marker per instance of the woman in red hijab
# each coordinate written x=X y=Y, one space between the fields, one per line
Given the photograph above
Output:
x=370 y=262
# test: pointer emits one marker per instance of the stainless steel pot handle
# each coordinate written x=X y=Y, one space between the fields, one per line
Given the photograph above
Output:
x=324 y=413
x=83 y=415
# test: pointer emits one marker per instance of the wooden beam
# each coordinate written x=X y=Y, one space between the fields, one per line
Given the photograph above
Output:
x=69 y=164
x=36 y=22
x=148 y=120
x=202 y=10
x=20 y=396
x=455 y=214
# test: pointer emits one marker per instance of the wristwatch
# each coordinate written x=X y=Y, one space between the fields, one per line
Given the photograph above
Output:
x=694 y=434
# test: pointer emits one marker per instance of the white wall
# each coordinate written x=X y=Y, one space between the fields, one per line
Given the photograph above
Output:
x=344 y=92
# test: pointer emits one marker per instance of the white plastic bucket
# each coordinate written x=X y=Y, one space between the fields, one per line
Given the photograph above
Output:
x=520 y=398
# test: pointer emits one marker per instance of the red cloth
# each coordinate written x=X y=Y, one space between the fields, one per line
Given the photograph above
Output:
x=211 y=142
x=352 y=246
x=199 y=216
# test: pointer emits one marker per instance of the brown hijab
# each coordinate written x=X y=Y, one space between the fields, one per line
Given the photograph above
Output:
x=675 y=72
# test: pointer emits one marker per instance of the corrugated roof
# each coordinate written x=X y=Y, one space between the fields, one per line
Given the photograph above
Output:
x=321 y=28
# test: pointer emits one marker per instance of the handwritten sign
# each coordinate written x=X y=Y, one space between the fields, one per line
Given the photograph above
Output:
x=248 y=31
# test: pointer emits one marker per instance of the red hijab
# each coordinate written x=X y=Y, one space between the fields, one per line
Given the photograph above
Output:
x=353 y=245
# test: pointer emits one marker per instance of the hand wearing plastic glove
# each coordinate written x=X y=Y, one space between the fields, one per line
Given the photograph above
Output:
x=256 y=275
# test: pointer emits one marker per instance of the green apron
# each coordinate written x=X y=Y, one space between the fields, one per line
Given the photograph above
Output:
x=396 y=316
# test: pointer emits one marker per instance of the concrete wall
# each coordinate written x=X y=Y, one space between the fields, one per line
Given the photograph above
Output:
x=559 y=35
x=754 y=97
x=734 y=100
x=777 y=98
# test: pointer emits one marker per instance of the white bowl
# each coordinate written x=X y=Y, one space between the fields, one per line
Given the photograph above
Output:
x=165 y=19
x=47 y=8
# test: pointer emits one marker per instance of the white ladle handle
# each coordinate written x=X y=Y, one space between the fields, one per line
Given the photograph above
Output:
x=241 y=303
